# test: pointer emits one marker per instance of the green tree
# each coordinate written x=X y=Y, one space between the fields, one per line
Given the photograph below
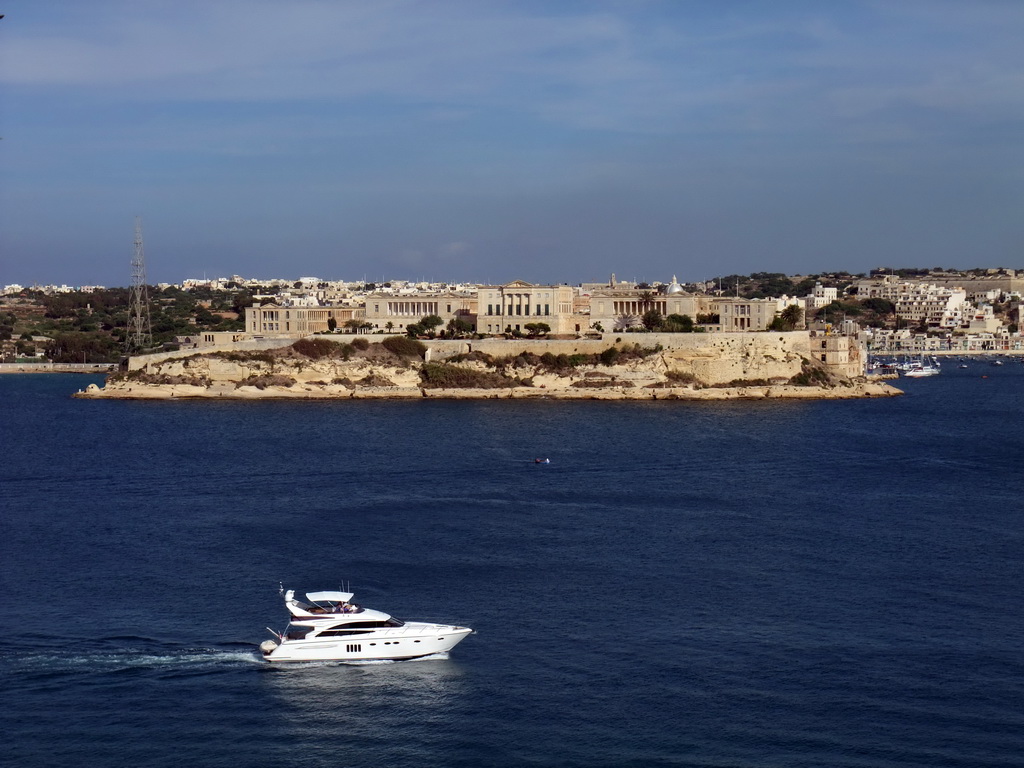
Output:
x=792 y=315
x=679 y=323
x=332 y=324
x=626 y=321
x=459 y=327
x=430 y=322
x=651 y=319
x=537 y=329
x=879 y=306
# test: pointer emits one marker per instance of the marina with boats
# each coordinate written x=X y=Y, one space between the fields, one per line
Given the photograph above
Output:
x=922 y=366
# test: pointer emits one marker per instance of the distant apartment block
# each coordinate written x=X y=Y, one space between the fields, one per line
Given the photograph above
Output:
x=918 y=303
x=821 y=296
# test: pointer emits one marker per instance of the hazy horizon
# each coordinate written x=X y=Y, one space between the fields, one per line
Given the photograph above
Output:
x=489 y=141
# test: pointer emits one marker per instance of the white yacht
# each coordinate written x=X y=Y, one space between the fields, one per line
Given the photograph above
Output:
x=919 y=368
x=329 y=627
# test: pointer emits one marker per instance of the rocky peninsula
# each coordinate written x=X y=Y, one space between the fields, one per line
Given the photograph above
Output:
x=401 y=368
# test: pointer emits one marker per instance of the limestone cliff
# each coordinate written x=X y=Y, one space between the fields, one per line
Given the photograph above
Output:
x=321 y=368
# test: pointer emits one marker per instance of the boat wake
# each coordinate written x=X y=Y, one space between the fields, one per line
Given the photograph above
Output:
x=376 y=662
x=126 y=655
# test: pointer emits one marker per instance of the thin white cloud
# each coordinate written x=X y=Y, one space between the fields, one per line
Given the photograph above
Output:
x=592 y=70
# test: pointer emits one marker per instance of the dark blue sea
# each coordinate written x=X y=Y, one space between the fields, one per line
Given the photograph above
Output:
x=685 y=584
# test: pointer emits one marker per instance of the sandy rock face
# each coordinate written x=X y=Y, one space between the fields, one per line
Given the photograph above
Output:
x=650 y=378
x=698 y=367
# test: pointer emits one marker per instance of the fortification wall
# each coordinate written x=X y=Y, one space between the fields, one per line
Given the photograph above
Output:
x=714 y=358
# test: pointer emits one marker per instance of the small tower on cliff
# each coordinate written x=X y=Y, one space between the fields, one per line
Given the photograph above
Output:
x=140 y=331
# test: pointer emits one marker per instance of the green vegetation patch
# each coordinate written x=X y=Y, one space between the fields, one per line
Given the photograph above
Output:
x=320 y=348
x=266 y=380
x=375 y=380
x=745 y=383
x=681 y=378
x=602 y=383
x=405 y=347
x=142 y=377
x=811 y=376
x=447 y=376
x=247 y=356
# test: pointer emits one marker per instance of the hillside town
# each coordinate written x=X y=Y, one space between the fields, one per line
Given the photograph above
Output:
x=885 y=311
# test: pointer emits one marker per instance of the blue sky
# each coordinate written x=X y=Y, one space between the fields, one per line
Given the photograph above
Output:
x=490 y=141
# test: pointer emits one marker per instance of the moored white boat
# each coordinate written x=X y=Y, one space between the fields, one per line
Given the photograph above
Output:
x=919 y=368
x=330 y=628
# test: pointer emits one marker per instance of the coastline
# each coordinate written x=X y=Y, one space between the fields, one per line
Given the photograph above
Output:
x=136 y=391
x=90 y=368
x=711 y=367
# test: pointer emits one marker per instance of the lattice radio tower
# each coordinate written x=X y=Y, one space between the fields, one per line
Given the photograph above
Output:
x=140 y=330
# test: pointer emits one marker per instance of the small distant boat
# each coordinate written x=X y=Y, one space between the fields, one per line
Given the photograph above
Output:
x=997 y=362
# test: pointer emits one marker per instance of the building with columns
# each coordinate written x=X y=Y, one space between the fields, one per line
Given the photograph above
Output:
x=390 y=312
x=615 y=308
x=517 y=303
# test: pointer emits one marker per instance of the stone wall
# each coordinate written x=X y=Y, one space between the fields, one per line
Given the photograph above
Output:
x=714 y=358
x=140 y=362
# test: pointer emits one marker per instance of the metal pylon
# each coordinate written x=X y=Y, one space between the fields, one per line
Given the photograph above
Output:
x=140 y=330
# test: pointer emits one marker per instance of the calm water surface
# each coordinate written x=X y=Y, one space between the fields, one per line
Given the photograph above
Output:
x=686 y=584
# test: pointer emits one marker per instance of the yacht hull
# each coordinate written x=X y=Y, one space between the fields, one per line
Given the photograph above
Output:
x=391 y=645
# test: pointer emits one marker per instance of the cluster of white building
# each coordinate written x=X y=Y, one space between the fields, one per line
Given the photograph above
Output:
x=943 y=305
x=516 y=306
x=13 y=289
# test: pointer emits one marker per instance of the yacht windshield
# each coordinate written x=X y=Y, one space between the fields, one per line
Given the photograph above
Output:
x=297 y=631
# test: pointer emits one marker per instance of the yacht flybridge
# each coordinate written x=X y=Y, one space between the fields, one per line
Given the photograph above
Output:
x=331 y=628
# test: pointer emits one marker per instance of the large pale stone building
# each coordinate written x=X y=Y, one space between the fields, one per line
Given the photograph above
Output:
x=275 y=320
x=389 y=312
x=745 y=314
x=618 y=308
x=500 y=307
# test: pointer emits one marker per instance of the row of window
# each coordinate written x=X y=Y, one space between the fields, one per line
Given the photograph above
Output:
x=358 y=648
x=518 y=309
